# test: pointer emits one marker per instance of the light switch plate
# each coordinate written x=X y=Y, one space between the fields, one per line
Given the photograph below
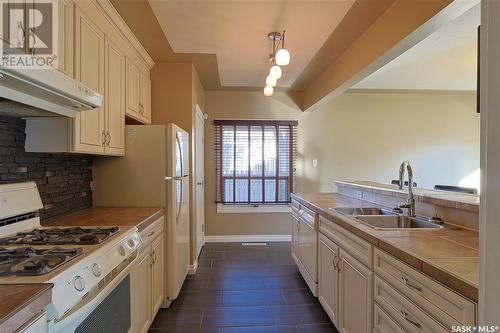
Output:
x=315 y=163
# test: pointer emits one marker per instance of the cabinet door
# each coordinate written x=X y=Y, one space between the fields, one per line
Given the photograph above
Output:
x=355 y=295
x=115 y=100
x=65 y=36
x=133 y=84
x=145 y=98
x=158 y=272
x=141 y=293
x=295 y=237
x=328 y=257
x=89 y=69
x=308 y=242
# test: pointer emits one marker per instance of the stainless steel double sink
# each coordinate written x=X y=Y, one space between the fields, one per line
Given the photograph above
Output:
x=381 y=218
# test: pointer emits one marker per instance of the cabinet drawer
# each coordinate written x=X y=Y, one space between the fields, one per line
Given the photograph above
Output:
x=383 y=323
x=295 y=205
x=410 y=317
x=152 y=231
x=308 y=216
x=357 y=247
x=444 y=304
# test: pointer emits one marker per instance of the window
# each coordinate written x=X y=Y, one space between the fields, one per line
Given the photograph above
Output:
x=255 y=161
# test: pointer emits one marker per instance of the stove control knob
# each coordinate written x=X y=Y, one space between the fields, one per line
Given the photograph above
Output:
x=96 y=269
x=78 y=283
x=122 y=250
x=131 y=243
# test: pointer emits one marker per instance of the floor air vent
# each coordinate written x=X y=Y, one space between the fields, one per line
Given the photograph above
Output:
x=254 y=244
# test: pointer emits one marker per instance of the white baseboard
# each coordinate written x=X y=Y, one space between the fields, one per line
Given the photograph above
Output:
x=192 y=268
x=247 y=238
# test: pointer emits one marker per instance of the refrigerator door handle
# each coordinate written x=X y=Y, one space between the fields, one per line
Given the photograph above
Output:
x=175 y=178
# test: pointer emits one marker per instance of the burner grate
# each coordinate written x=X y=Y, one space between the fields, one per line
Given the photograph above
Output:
x=28 y=261
x=60 y=236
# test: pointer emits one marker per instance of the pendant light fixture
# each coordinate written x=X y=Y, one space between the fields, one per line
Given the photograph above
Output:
x=278 y=57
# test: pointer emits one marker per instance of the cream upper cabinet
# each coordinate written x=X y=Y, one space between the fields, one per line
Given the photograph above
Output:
x=65 y=44
x=89 y=132
x=158 y=272
x=133 y=93
x=114 y=103
x=138 y=93
x=328 y=284
x=145 y=98
x=355 y=295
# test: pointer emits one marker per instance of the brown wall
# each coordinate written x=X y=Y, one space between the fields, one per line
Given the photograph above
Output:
x=241 y=105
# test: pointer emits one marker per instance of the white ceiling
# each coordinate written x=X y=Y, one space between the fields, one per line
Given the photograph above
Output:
x=446 y=60
x=236 y=30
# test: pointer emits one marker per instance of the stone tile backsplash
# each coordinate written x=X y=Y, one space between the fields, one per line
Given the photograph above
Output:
x=63 y=180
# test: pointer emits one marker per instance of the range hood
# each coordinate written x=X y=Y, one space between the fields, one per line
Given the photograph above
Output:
x=47 y=90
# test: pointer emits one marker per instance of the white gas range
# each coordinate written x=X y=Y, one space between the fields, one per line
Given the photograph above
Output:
x=89 y=267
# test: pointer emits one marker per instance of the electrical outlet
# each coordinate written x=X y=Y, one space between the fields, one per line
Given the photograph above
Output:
x=315 y=163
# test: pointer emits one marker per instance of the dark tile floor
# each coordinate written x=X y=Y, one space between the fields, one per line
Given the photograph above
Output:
x=244 y=289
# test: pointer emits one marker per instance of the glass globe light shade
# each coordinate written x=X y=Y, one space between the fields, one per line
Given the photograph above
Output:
x=271 y=81
x=282 y=57
x=268 y=91
x=275 y=72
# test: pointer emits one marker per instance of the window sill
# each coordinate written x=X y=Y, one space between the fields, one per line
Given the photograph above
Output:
x=247 y=209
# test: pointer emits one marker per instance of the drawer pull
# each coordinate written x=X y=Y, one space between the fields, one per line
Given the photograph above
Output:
x=414 y=323
x=409 y=284
x=336 y=260
x=151 y=234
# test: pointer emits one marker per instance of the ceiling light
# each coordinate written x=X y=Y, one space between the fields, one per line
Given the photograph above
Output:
x=268 y=91
x=282 y=57
x=279 y=57
x=271 y=81
x=275 y=72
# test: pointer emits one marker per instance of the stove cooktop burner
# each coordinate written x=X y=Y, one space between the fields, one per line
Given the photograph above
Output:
x=30 y=261
x=60 y=236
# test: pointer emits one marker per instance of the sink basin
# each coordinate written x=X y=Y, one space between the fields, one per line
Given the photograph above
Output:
x=397 y=222
x=363 y=211
x=383 y=218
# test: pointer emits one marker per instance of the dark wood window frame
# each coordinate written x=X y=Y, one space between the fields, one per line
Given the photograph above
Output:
x=281 y=196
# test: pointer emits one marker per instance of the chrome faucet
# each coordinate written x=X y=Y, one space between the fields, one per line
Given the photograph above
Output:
x=410 y=202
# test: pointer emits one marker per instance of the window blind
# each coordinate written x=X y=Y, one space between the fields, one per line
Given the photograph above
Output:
x=255 y=161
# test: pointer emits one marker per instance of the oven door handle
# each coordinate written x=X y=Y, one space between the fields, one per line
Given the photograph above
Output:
x=80 y=311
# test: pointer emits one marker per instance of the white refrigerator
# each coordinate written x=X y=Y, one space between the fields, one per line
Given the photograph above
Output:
x=153 y=173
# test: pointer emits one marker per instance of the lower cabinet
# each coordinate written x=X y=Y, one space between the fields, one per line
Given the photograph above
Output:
x=141 y=294
x=36 y=325
x=383 y=323
x=308 y=252
x=328 y=283
x=295 y=237
x=147 y=284
x=158 y=272
x=355 y=295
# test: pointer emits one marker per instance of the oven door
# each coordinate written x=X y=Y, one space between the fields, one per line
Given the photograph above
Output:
x=108 y=310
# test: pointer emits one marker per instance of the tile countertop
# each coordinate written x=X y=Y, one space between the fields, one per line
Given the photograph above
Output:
x=464 y=201
x=107 y=217
x=20 y=302
x=450 y=256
